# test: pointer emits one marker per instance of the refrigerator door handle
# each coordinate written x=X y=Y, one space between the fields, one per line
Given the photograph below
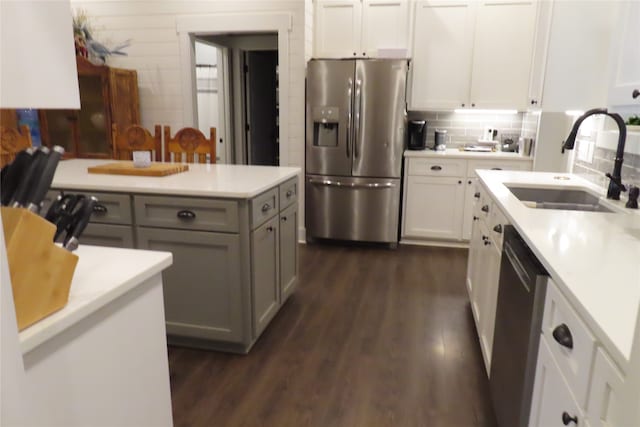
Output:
x=330 y=183
x=349 y=118
x=356 y=132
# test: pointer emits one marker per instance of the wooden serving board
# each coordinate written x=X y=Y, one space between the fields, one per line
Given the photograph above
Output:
x=127 y=168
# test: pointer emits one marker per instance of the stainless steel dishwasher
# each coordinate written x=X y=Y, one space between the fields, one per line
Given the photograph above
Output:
x=521 y=292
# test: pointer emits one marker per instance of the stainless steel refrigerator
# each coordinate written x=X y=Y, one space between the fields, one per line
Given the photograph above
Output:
x=356 y=122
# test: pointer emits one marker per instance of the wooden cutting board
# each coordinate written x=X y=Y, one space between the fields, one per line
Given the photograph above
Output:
x=127 y=168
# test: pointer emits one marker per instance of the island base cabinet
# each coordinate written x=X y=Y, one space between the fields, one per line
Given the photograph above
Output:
x=203 y=288
x=113 y=236
x=288 y=252
x=265 y=274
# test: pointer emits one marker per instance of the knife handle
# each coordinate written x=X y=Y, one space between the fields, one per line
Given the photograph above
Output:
x=44 y=180
x=84 y=215
x=29 y=178
x=13 y=174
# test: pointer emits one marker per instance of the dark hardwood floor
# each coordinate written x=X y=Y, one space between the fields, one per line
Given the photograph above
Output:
x=372 y=337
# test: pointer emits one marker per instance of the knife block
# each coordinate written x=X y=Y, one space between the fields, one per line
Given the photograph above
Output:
x=40 y=271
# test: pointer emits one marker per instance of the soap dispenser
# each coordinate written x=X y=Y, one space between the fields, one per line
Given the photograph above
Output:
x=633 y=197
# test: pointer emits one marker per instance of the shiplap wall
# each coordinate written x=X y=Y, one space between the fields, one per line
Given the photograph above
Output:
x=155 y=53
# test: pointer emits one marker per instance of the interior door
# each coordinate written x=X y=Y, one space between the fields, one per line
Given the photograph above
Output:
x=379 y=118
x=329 y=117
x=262 y=111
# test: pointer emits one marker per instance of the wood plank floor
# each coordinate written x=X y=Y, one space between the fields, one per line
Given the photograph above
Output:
x=372 y=337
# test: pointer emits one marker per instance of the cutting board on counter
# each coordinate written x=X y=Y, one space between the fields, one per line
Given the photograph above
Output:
x=127 y=168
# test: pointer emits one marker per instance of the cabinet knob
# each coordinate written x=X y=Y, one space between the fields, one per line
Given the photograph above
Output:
x=283 y=219
x=563 y=336
x=635 y=93
x=459 y=181
x=475 y=218
x=289 y=194
x=186 y=214
x=469 y=182
x=485 y=208
x=498 y=228
x=485 y=238
x=354 y=54
x=269 y=229
x=266 y=207
x=462 y=105
x=487 y=242
x=534 y=102
x=567 y=419
x=100 y=209
x=476 y=195
x=473 y=105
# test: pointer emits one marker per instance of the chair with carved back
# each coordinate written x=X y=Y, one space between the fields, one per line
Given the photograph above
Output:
x=189 y=145
x=12 y=141
x=136 y=138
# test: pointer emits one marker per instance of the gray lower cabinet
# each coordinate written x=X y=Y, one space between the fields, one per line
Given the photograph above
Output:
x=114 y=236
x=202 y=289
x=288 y=251
x=264 y=274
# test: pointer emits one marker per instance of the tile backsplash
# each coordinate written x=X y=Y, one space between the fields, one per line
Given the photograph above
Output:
x=602 y=163
x=465 y=129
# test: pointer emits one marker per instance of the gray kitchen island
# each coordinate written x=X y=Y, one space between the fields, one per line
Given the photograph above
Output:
x=232 y=230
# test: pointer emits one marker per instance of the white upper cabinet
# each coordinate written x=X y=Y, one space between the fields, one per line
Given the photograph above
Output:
x=539 y=59
x=338 y=30
x=625 y=76
x=502 y=54
x=358 y=28
x=472 y=54
x=442 y=50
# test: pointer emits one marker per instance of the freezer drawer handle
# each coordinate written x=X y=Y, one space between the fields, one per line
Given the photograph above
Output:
x=330 y=183
x=186 y=214
x=266 y=207
x=563 y=336
x=436 y=168
x=566 y=419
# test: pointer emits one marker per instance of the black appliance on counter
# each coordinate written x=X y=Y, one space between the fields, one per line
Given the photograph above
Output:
x=417 y=135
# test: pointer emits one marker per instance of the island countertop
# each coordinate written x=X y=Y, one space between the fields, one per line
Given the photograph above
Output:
x=201 y=180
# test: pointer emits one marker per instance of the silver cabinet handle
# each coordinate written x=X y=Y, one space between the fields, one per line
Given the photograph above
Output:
x=349 y=90
x=330 y=183
x=266 y=207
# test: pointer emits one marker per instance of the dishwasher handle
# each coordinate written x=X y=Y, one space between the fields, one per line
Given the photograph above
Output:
x=517 y=266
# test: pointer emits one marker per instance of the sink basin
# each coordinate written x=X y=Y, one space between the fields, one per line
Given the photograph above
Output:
x=569 y=199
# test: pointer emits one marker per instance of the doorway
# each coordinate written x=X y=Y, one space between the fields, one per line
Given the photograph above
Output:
x=237 y=91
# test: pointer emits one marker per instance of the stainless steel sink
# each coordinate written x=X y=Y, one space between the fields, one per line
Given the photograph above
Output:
x=569 y=199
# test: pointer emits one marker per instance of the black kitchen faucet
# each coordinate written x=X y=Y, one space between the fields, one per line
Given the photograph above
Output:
x=615 y=185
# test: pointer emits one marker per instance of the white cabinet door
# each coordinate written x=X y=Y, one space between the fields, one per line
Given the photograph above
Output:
x=488 y=298
x=471 y=196
x=338 y=29
x=442 y=50
x=625 y=77
x=385 y=24
x=551 y=395
x=539 y=58
x=434 y=207
x=502 y=54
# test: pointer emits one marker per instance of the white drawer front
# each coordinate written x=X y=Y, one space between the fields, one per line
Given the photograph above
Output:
x=561 y=320
x=437 y=167
x=497 y=164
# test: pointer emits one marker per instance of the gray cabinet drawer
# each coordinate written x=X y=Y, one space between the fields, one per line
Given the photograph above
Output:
x=264 y=207
x=187 y=213
x=288 y=193
x=112 y=208
x=114 y=236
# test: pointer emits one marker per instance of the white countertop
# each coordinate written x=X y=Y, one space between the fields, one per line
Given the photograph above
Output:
x=102 y=275
x=455 y=153
x=232 y=181
x=593 y=257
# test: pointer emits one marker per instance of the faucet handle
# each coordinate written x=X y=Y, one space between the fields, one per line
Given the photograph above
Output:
x=633 y=197
x=617 y=181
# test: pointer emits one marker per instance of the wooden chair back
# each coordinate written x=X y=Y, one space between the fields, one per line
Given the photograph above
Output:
x=12 y=141
x=189 y=145
x=136 y=138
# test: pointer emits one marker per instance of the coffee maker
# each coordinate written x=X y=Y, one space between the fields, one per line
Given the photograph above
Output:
x=417 y=135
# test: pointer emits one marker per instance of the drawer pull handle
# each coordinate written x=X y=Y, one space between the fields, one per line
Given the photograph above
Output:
x=266 y=207
x=289 y=194
x=269 y=229
x=436 y=168
x=562 y=335
x=100 y=209
x=496 y=169
x=284 y=219
x=476 y=195
x=186 y=214
x=566 y=419
x=498 y=228
x=485 y=208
